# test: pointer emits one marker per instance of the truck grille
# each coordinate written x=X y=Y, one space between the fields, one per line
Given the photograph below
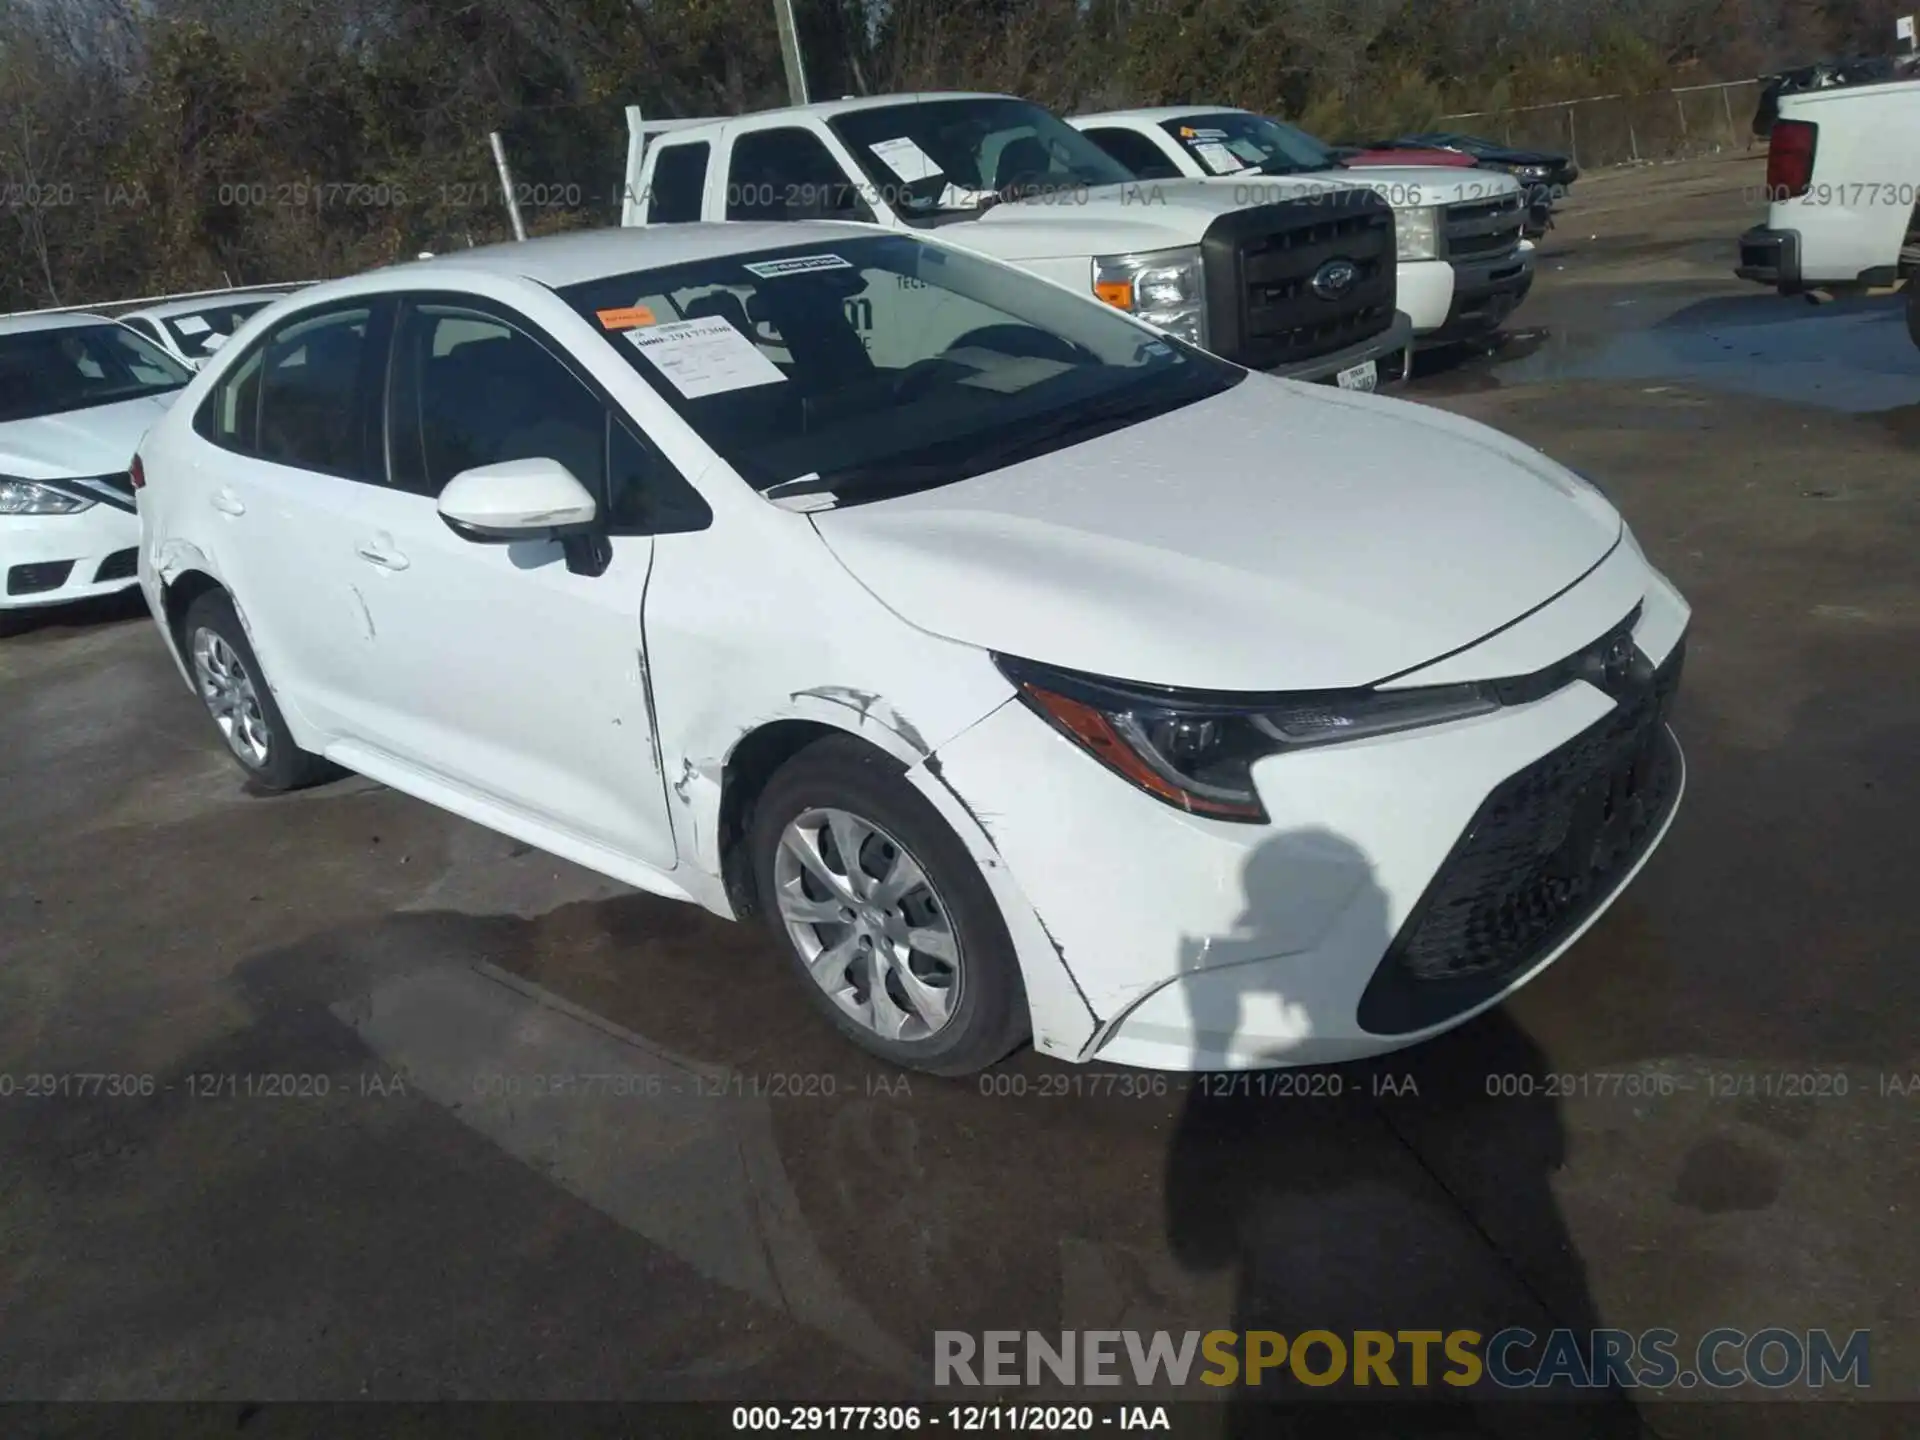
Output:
x=1474 y=229
x=1546 y=848
x=1263 y=308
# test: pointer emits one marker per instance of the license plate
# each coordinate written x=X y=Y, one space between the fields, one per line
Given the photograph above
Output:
x=1364 y=376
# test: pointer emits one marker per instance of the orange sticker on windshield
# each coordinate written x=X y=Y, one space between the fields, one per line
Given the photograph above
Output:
x=626 y=317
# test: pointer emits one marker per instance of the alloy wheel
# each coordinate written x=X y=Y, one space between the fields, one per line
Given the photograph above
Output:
x=231 y=697
x=871 y=928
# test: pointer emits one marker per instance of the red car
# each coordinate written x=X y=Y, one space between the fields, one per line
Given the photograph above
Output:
x=1406 y=157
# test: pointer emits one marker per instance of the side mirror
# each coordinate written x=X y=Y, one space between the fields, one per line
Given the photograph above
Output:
x=518 y=500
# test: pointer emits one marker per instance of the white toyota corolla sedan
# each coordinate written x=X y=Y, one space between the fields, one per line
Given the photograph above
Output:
x=76 y=394
x=1031 y=673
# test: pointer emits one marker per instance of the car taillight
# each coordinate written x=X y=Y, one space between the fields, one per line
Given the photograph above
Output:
x=137 y=474
x=1790 y=159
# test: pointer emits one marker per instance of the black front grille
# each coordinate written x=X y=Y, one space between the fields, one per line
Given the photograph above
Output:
x=1263 y=308
x=42 y=575
x=1545 y=849
x=120 y=565
x=1475 y=229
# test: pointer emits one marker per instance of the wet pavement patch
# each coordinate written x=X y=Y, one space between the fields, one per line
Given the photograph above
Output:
x=1853 y=355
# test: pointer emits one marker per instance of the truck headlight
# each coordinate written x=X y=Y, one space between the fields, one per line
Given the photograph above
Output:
x=23 y=497
x=1166 y=288
x=1416 y=233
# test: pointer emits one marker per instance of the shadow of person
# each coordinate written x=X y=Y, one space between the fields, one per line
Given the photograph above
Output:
x=1310 y=1186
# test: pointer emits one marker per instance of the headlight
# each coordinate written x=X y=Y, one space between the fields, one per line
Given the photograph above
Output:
x=1416 y=233
x=23 y=497
x=1163 y=287
x=1195 y=751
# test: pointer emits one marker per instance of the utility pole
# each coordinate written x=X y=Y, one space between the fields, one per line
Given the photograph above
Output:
x=790 y=52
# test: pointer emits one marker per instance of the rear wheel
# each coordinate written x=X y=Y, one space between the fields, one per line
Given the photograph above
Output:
x=228 y=677
x=884 y=914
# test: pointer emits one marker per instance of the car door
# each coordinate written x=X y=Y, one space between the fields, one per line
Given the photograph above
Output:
x=292 y=453
x=497 y=668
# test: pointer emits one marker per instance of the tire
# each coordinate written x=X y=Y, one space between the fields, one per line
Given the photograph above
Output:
x=214 y=645
x=969 y=982
x=1913 y=308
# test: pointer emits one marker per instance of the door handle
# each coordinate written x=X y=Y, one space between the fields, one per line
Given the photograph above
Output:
x=227 y=503
x=376 y=554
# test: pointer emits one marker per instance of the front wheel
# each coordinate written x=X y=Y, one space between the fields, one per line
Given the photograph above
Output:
x=884 y=914
x=227 y=675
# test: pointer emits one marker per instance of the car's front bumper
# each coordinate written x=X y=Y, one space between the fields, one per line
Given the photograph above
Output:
x=56 y=559
x=1770 y=257
x=1485 y=294
x=1200 y=944
x=1389 y=342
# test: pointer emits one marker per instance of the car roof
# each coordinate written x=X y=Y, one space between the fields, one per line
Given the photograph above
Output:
x=168 y=308
x=557 y=261
x=1158 y=114
x=826 y=109
x=64 y=320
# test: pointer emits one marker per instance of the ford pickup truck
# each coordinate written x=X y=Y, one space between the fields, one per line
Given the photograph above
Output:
x=1463 y=266
x=1303 y=288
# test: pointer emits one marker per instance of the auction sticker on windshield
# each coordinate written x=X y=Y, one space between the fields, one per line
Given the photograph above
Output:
x=704 y=357
x=906 y=159
x=193 y=324
x=1217 y=157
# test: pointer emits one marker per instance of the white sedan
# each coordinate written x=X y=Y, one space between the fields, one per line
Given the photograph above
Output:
x=76 y=394
x=1031 y=673
x=190 y=330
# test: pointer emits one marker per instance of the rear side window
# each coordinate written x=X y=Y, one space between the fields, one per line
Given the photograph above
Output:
x=679 y=182
x=313 y=374
x=788 y=174
x=302 y=395
x=1136 y=152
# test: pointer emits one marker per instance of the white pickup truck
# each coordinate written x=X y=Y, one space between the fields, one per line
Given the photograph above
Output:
x=1304 y=288
x=1843 y=186
x=1463 y=264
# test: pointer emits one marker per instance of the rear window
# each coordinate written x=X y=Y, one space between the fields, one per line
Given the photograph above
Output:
x=679 y=182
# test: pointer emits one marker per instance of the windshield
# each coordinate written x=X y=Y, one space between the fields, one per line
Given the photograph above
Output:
x=1233 y=141
x=932 y=156
x=870 y=367
x=204 y=331
x=45 y=372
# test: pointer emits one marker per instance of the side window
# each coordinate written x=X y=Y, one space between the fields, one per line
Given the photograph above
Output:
x=788 y=174
x=1135 y=151
x=470 y=389
x=679 y=181
x=310 y=378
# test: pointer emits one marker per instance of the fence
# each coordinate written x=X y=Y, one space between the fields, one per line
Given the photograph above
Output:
x=1625 y=129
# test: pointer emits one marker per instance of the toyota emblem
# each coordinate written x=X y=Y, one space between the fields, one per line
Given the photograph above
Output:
x=1334 y=279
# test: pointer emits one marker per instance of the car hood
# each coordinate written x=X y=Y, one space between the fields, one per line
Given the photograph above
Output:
x=1274 y=537
x=99 y=440
x=1401 y=186
x=1106 y=219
